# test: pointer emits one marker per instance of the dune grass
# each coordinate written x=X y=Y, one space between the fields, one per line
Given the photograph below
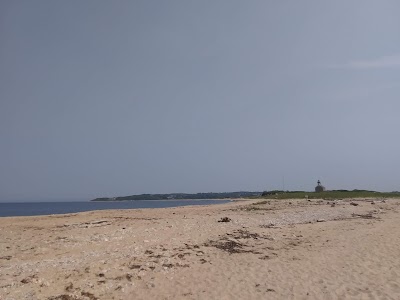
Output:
x=331 y=195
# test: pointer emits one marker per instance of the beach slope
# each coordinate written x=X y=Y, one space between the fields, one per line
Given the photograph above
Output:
x=250 y=249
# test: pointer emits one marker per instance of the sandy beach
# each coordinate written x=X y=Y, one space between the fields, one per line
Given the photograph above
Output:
x=249 y=249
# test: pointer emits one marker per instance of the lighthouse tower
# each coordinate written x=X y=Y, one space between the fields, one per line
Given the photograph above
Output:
x=319 y=188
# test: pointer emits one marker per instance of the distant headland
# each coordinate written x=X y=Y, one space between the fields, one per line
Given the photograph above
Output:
x=276 y=194
x=183 y=196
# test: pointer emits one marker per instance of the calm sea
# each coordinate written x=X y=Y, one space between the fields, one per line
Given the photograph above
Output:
x=49 y=208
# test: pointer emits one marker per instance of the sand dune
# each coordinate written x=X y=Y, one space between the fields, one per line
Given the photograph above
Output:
x=286 y=249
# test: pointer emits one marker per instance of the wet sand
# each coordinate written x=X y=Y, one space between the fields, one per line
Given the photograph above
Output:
x=272 y=249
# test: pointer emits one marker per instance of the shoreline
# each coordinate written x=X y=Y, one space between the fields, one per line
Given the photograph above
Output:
x=275 y=249
x=226 y=199
x=117 y=208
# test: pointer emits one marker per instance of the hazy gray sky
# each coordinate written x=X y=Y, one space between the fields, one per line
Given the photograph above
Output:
x=108 y=98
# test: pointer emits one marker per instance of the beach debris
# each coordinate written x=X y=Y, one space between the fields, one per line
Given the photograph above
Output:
x=69 y=287
x=244 y=234
x=321 y=220
x=364 y=216
x=233 y=242
x=29 y=279
x=63 y=297
x=89 y=295
x=134 y=266
x=265 y=257
x=270 y=225
x=97 y=222
x=353 y=203
x=228 y=246
x=225 y=219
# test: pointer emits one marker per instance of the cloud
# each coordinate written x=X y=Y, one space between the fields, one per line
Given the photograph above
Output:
x=384 y=62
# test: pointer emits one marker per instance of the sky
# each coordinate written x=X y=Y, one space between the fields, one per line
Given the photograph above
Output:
x=111 y=98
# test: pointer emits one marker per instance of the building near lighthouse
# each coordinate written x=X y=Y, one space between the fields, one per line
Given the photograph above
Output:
x=319 y=188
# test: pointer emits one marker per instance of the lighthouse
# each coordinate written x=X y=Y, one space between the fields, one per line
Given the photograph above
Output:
x=319 y=188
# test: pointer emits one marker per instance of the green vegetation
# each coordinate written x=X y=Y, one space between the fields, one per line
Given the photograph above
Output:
x=335 y=194
x=276 y=194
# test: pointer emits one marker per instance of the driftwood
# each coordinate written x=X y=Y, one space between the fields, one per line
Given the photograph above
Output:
x=364 y=216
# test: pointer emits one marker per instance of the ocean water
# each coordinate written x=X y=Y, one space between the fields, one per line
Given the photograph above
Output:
x=49 y=208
